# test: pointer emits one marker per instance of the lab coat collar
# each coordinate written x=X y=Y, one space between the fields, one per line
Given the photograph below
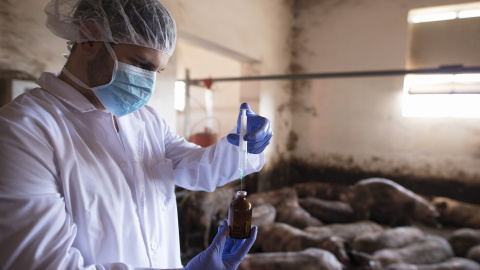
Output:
x=64 y=91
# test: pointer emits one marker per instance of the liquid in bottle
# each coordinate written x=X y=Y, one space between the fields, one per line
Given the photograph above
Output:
x=240 y=216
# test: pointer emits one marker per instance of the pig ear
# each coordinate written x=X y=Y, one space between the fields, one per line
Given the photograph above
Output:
x=347 y=246
x=441 y=206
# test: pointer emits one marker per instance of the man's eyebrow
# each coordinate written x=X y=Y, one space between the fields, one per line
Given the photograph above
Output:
x=147 y=62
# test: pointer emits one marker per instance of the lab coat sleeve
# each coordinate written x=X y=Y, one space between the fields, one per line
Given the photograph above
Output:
x=36 y=230
x=197 y=168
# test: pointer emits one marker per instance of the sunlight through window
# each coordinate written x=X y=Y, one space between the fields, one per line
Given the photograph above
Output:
x=179 y=96
x=460 y=11
x=442 y=96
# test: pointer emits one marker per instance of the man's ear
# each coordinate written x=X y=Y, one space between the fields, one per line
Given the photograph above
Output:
x=89 y=48
x=89 y=31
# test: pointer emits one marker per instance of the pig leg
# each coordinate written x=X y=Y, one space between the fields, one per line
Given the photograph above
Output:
x=185 y=227
x=206 y=226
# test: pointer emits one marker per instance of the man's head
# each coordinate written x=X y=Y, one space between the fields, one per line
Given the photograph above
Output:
x=99 y=63
x=145 y=23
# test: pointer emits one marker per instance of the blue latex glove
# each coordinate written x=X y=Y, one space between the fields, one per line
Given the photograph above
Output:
x=259 y=131
x=224 y=253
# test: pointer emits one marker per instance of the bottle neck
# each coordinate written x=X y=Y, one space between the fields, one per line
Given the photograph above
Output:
x=241 y=193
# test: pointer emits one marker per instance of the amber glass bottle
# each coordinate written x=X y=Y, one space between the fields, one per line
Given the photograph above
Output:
x=240 y=216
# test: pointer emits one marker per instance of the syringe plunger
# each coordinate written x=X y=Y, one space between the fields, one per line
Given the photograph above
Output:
x=242 y=144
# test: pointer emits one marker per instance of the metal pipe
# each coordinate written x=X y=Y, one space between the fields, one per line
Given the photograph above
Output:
x=188 y=82
x=441 y=70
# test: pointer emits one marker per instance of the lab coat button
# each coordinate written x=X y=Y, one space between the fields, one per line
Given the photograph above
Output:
x=154 y=246
x=124 y=166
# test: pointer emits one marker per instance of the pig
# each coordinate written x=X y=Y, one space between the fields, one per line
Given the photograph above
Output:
x=273 y=197
x=328 y=211
x=389 y=203
x=474 y=253
x=392 y=238
x=281 y=237
x=432 y=249
x=278 y=237
x=285 y=201
x=308 y=259
x=324 y=191
x=463 y=239
x=263 y=214
x=454 y=263
x=347 y=231
x=337 y=246
x=292 y=213
x=456 y=213
x=198 y=209
x=361 y=261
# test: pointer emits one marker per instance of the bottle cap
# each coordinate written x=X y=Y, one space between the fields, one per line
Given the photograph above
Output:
x=241 y=193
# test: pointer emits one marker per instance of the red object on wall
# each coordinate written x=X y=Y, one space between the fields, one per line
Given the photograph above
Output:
x=204 y=139
x=208 y=83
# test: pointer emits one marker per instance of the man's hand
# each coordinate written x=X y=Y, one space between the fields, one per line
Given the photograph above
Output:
x=259 y=131
x=224 y=253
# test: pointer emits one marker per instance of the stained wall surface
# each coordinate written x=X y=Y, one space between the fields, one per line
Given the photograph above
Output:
x=356 y=124
x=351 y=124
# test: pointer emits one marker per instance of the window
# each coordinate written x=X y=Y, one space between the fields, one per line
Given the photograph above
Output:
x=442 y=96
x=443 y=36
x=179 y=96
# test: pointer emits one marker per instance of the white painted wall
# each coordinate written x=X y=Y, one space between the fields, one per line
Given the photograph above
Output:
x=356 y=123
x=242 y=30
x=246 y=30
x=348 y=123
x=27 y=45
x=226 y=96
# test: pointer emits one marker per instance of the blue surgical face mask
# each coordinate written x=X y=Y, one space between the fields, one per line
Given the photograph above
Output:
x=129 y=90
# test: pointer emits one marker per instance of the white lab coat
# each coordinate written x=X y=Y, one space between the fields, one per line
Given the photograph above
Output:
x=75 y=194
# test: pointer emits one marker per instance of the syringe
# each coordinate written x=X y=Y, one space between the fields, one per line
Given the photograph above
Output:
x=242 y=146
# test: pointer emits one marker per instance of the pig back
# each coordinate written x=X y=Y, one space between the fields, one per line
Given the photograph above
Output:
x=328 y=211
x=387 y=202
x=457 y=213
x=308 y=259
x=391 y=238
x=455 y=263
x=433 y=249
x=278 y=237
x=324 y=191
x=463 y=239
x=287 y=208
x=347 y=231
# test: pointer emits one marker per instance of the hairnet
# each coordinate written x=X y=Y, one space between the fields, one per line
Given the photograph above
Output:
x=144 y=23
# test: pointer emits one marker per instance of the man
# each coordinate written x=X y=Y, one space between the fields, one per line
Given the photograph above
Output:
x=87 y=172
